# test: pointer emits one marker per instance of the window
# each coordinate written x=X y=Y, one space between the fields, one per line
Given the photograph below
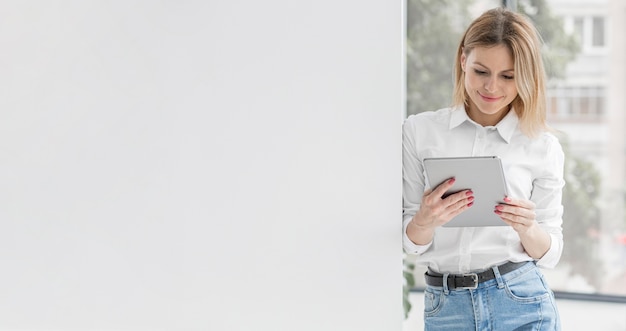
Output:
x=579 y=30
x=571 y=104
x=597 y=32
x=585 y=102
x=590 y=31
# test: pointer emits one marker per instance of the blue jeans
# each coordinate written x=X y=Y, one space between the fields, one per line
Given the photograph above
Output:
x=518 y=300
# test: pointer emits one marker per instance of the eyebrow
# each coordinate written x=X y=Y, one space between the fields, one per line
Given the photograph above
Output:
x=482 y=65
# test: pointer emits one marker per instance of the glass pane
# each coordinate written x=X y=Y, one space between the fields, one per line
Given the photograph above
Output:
x=598 y=32
x=593 y=261
x=585 y=104
x=579 y=29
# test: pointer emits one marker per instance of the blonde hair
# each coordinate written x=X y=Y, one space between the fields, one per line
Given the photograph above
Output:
x=500 y=26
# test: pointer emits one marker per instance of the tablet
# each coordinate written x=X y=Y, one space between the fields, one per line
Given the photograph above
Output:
x=483 y=175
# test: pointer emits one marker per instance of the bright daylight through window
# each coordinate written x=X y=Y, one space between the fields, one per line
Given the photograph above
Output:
x=584 y=57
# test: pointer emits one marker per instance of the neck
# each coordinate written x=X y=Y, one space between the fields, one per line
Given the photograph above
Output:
x=486 y=119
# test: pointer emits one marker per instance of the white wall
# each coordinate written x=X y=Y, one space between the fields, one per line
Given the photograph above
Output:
x=200 y=165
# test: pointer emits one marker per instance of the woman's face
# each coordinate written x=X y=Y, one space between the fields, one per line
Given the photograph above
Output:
x=489 y=82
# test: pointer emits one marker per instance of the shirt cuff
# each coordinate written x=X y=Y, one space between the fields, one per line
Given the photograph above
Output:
x=553 y=255
x=409 y=246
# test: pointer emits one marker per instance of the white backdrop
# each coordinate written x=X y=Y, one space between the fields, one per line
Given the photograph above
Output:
x=200 y=165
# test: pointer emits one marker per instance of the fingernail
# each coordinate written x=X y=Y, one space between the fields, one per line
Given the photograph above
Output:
x=497 y=212
x=471 y=199
x=468 y=193
x=470 y=204
x=507 y=199
x=451 y=181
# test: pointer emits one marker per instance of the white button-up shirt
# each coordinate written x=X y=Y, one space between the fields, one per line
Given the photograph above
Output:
x=533 y=168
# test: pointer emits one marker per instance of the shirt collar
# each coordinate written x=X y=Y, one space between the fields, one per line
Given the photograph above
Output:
x=506 y=127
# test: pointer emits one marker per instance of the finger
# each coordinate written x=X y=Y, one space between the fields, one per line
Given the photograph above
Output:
x=519 y=202
x=440 y=190
x=456 y=197
x=518 y=219
x=516 y=226
x=515 y=211
x=513 y=219
x=459 y=207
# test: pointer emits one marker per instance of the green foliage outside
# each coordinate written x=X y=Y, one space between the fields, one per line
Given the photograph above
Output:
x=434 y=28
x=409 y=283
x=581 y=217
x=560 y=48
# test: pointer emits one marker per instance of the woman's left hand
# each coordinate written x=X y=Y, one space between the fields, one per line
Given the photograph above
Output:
x=519 y=214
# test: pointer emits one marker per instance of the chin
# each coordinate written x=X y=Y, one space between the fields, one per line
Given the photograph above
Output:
x=490 y=110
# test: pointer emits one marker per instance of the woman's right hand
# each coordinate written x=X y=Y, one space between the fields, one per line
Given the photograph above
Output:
x=436 y=210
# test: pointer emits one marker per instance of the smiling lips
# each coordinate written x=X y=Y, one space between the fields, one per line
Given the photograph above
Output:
x=489 y=99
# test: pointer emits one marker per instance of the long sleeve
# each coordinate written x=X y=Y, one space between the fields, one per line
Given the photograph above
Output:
x=412 y=185
x=547 y=196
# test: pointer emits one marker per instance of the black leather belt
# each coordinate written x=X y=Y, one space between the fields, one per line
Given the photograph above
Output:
x=470 y=280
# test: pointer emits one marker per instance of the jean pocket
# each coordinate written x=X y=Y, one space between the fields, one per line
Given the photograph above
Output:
x=433 y=301
x=527 y=288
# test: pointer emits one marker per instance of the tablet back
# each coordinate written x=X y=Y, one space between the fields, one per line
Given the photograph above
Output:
x=483 y=175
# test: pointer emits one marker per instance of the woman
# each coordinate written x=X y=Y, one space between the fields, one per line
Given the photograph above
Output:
x=487 y=278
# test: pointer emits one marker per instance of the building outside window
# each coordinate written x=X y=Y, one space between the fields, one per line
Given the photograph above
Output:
x=576 y=104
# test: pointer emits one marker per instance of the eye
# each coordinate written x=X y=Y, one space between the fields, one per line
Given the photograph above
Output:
x=480 y=72
x=508 y=77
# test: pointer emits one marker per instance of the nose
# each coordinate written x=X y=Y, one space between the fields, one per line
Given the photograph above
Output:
x=490 y=84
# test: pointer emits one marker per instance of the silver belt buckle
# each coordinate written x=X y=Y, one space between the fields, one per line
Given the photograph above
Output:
x=474 y=277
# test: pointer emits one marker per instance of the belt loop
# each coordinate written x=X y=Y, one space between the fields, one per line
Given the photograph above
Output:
x=499 y=279
x=446 y=291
